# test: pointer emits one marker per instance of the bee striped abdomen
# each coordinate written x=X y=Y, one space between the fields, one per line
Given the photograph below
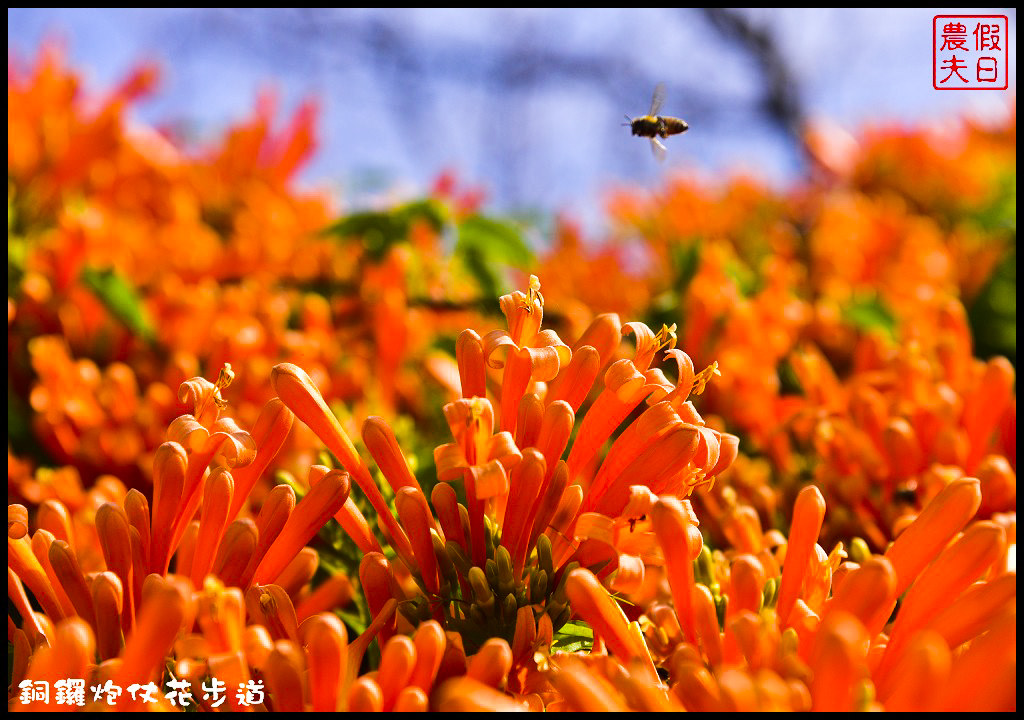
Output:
x=673 y=126
x=658 y=126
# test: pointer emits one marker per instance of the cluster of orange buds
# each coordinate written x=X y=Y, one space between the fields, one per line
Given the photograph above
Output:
x=293 y=658
x=887 y=439
x=95 y=197
x=755 y=331
x=98 y=420
x=491 y=577
x=754 y=275
x=203 y=258
x=930 y=625
x=510 y=517
x=100 y=575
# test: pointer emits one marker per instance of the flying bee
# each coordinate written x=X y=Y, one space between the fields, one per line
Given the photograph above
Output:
x=656 y=126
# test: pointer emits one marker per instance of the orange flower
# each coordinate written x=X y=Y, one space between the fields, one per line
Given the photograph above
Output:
x=534 y=355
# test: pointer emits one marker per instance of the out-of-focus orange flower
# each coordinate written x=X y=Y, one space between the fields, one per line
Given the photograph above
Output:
x=857 y=553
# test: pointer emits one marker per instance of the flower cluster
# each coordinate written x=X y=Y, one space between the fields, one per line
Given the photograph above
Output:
x=489 y=580
x=383 y=502
x=136 y=263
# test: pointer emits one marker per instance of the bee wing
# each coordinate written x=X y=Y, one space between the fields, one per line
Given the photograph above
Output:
x=657 y=99
x=658 y=149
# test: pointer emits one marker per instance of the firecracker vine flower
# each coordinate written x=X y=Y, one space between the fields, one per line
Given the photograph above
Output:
x=497 y=566
x=734 y=634
x=563 y=498
x=533 y=355
x=234 y=576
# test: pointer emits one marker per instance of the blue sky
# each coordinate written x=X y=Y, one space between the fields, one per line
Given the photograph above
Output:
x=527 y=103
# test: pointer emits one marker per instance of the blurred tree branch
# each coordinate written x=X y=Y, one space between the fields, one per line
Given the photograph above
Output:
x=781 y=97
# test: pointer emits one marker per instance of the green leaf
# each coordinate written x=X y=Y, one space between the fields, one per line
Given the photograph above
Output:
x=354 y=620
x=685 y=263
x=283 y=477
x=121 y=300
x=1001 y=213
x=488 y=247
x=744 y=278
x=577 y=628
x=572 y=637
x=20 y=437
x=993 y=315
x=868 y=312
x=380 y=230
x=789 y=381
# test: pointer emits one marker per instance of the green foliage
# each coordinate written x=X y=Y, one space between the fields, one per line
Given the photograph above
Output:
x=1001 y=213
x=746 y=280
x=121 y=300
x=487 y=248
x=868 y=312
x=19 y=430
x=685 y=263
x=670 y=307
x=789 y=382
x=17 y=244
x=379 y=231
x=572 y=637
x=993 y=316
x=282 y=477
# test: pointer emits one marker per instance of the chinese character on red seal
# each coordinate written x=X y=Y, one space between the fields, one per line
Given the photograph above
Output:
x=970 y=52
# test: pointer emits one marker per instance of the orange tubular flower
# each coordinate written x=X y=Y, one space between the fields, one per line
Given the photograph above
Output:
x=163 y=613
x=415 y=516
x=107 y=597
x=327 y=650
x=584 y=691
x=491 y=664
x=335 y=592
x=527 y=480
x=17 y=521
x=380 y=441
x=671 y=525
x=925 y=667
x=277 y=508
x=68 y=656
x=940 y=520
x=464 y=694
x=808 y=515
x=325 y=499
x=379 y=588
x=839 y=662
x=365 y=696
x=868 y=593
x=481 y=459
x=952 y=572
x=594 y=348
x=297 y=391
x=974 y=611
x=70 y=577
x=534 y=355
x=984 y=677
x=212 y=523
x=269 y=433
x=398 y=660
x=595 y=605
x=283 y=672
x=430 y=643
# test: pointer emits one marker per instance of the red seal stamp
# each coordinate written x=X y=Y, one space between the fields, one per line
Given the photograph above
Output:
x=970 y=52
